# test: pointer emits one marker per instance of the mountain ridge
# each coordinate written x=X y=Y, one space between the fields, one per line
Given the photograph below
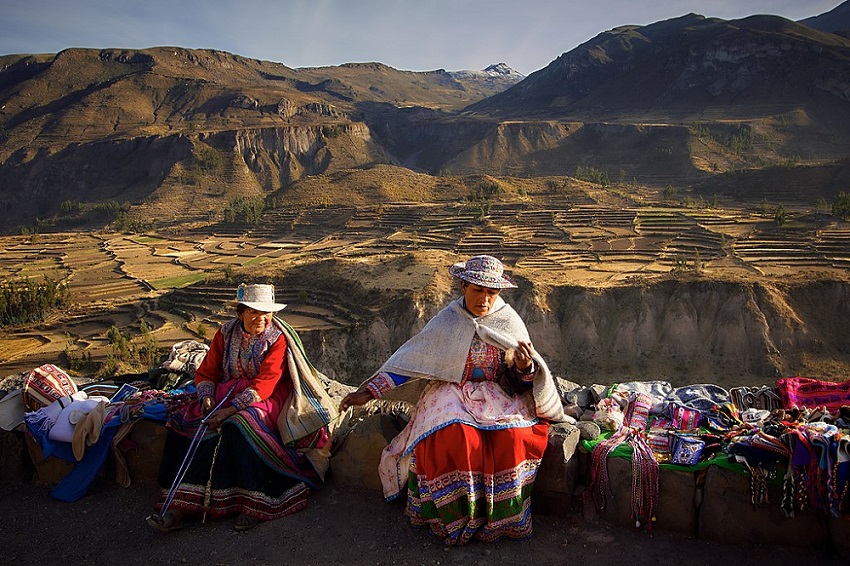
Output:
x=683 y=102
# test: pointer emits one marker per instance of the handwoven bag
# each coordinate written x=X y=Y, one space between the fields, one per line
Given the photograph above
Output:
x=44 y=385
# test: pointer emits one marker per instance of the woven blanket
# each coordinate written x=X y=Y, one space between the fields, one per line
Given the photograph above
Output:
x=309 y=407
x=808 y=392
x=440 y=349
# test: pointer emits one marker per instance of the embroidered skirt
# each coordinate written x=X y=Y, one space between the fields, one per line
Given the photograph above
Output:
x=467 y=483
x=229 y=475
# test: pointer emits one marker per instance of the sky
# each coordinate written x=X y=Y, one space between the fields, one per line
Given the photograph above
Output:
x=412 y=35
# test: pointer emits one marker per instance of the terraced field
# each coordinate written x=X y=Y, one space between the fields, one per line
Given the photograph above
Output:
x=118 y=279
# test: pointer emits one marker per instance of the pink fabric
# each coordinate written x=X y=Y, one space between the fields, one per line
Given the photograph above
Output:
x=809 y=392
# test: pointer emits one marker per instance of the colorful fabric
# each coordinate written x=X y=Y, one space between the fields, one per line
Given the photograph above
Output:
x=483 y=405
x=645 y=474
x=684 y=418
x=479 y=489
x=44 y=385
x=308 y=408
x=812 y=393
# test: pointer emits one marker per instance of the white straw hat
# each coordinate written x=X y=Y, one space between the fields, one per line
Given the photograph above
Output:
x=258 y=297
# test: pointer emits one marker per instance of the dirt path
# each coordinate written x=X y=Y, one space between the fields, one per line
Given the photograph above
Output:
x=338 y=527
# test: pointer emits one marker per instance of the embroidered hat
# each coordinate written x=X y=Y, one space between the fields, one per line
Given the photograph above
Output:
x=483 y=270
x=258 y=297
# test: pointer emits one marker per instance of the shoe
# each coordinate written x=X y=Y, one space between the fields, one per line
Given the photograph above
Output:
x=166 y=523
x=245 y=522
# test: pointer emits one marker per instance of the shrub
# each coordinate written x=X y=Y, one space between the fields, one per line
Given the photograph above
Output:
x=27 y=302
x=841 y=205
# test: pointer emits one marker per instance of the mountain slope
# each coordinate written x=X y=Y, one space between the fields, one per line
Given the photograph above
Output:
x=688 y=68
x=835 y=21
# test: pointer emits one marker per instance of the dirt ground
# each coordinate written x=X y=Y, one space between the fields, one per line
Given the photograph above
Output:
x=339 y=527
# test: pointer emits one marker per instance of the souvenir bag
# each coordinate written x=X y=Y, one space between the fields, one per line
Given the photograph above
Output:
x=685 y=449
x=44 y=385
x=658 y=439
x=684 y=418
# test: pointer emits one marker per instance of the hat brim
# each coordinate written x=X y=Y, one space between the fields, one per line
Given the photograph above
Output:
x=263 y=307
x=476 y=278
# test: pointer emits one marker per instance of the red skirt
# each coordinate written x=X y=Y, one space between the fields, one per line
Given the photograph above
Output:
x=467 y=483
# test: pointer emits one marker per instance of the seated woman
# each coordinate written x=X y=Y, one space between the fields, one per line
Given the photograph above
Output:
x=469 y=455
x=265 y=445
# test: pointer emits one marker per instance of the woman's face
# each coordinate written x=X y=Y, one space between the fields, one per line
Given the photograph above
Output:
x=254 y=321
x=478 y=300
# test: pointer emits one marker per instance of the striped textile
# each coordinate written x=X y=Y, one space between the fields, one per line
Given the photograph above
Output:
x=467 y=483
x=309 y=407
x=230 y=476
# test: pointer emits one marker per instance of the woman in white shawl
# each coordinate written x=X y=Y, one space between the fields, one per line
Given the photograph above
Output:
x=470 y=452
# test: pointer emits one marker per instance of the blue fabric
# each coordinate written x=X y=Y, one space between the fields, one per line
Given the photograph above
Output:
x=76 y=484
x=397 y=379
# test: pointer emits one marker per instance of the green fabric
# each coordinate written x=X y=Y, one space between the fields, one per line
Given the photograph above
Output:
x=624 y=450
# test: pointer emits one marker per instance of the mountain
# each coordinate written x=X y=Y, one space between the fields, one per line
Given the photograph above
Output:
x=496 y=72
x=835 y=21
x=170 y=134
x=688 y=68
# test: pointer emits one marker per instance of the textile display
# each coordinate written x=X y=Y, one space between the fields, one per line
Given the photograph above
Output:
x=804 y=448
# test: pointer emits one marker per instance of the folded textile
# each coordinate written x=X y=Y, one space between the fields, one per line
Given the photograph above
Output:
x=809 y=392
x=63 y=429
x=656 y=391
x=45 y=417
x=87 y=429
x=702 y=396
x=185 y=357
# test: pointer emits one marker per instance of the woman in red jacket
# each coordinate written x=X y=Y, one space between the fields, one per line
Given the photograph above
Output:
x=242 y=465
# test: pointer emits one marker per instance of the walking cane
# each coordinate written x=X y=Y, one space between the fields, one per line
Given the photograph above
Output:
x=190 y=455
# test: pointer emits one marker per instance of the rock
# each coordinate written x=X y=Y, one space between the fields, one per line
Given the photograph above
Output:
x=676 y=511
x=558 y=472
x=727 y=514
x=15 y=464
x=142 y=451
x=355 y=462
x=48 y=471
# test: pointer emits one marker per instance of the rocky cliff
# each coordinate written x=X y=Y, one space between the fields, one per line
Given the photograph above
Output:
x=727 y=332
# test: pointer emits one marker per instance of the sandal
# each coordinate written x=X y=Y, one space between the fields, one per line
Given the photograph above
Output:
x=168 y=522
x=245 y=522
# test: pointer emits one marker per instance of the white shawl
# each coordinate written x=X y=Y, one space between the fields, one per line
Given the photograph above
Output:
x=439 y=351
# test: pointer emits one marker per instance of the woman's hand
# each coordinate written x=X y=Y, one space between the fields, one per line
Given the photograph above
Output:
x=524 y=356
x=221 y=415
x=359 y=397
x=206 y=405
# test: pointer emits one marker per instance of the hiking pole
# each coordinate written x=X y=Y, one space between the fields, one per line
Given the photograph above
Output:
x=190 y=454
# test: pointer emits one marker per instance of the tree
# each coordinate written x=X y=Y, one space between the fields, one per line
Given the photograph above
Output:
x=841 y=205
x=780 y=216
